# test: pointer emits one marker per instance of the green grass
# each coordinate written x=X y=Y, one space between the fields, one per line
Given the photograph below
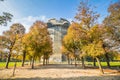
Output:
x=105 y=64
x=11 y=64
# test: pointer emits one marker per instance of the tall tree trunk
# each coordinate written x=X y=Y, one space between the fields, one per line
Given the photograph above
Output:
x=23 y=60
x=71 y=61
x=94 y=62
x=8 y=60
x=1 y=57
x=68 y=59
x=39 y=59
x=99 y=64
x=44 y=60
x=33 y=62
x=107 y=60
x=83 y=64
x=75 y=62
x=48 y=60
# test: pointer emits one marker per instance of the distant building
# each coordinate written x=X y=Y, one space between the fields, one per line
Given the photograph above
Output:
x=57 y=30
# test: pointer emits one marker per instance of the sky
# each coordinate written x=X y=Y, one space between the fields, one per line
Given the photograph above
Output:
x=27 y=12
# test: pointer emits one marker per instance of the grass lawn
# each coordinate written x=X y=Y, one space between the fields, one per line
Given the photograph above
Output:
x=11 y=64
x=105 y=64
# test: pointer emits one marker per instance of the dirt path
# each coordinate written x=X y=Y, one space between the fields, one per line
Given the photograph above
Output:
x=56 y=71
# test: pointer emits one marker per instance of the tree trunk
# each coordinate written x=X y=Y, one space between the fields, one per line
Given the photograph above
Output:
x=1 y=57
x=75 y=62
x=33 y=62
x=8 y=60
x=94 y=62
x=107 y=60
x=44 y=60
x=71 y=61
x=99 y=64
x=68 y=59
x=24 y=56
x=39 y=59
x=83 y=64
x=15 y=67
x=48 y=61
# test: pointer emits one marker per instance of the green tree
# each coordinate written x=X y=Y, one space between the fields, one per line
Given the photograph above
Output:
x=6 y=17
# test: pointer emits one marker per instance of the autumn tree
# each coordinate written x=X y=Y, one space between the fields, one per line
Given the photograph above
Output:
x=95 y=50
x=94 y=47
x=111 y=22
x=86 y=15
x=38 y=41
x=24 y=48
x=112 y=19
x=74 y=39
x=66 y=52
x=47 y=50
x=10 y=38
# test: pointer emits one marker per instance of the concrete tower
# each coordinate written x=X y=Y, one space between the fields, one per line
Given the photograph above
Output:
x=57 y=30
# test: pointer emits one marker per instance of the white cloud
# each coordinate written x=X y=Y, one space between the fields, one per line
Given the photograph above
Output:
x=28 y=21
x=25 y=21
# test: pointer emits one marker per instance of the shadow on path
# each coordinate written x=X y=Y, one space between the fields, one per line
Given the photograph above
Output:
x=74 y=78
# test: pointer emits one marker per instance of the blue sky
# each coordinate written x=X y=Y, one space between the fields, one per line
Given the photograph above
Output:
x=28 y=11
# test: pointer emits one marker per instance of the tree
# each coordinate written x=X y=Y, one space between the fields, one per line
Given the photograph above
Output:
x=67 y=53
x=6 y=17
x=112 y=19
x=95 y=50
x=38 y=41
x=94 y=47
x=111 y=22
x=75 y=38
x=24 y=48
x=10 y=38
x=86 y=15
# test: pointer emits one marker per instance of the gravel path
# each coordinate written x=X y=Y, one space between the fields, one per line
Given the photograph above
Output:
x=57 y=71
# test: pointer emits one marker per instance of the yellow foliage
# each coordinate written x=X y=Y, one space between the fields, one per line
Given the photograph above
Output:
x=94 y=49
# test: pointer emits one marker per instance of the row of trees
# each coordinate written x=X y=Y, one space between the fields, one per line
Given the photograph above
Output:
x=33 y=45
x=87 y=38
